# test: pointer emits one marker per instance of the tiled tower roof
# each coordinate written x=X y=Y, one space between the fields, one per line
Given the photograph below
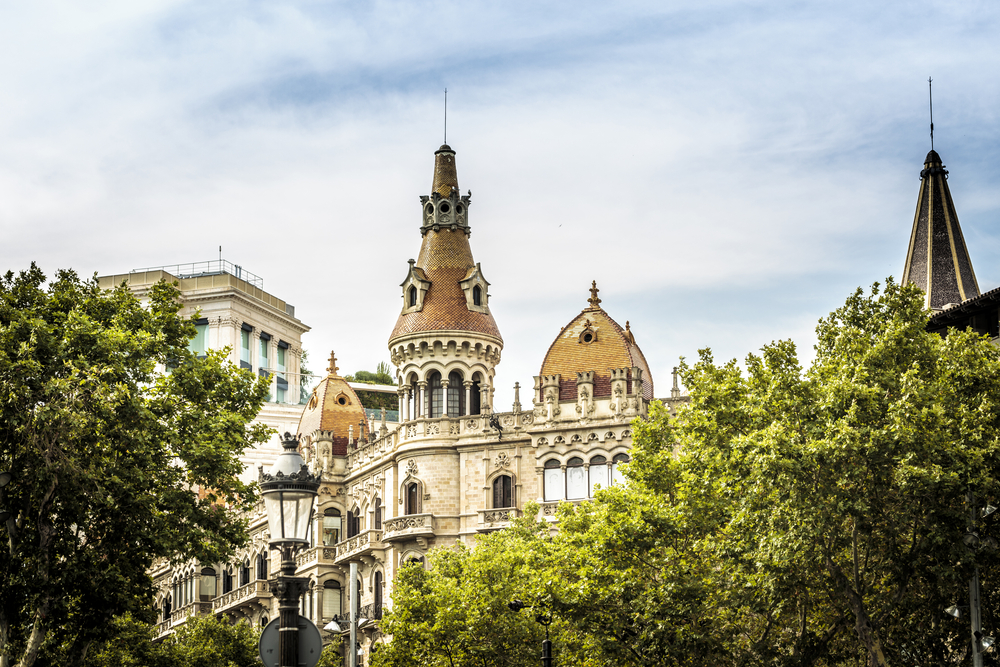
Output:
x=335 y=407
x=937 y=259
x=445 y=272
x=608 y=346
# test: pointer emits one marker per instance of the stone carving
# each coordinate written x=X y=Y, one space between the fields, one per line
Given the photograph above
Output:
x=508 y=420
x=472 y=425
x=454 y=428
x=411 y=468
x=559 y=440
x=542 y=442
x=502 y=460
x=592 y=437
x=411 y=431
x=433 y=429
x=499 y=516
x=576 y=438
x=527 y=419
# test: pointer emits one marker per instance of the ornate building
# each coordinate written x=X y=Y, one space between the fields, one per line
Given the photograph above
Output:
x=452 y=467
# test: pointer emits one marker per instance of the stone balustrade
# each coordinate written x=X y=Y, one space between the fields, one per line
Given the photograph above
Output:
x=362 y=544
x=324 y=555
x=405 y=527
x=254 y=591
x=495 y=519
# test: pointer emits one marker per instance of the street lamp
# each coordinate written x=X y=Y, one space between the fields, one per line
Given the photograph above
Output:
x=543 y=619
x=289 y=490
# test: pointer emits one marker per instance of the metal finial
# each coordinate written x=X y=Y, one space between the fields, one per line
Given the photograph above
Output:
x=930 y=97
x=446 y=116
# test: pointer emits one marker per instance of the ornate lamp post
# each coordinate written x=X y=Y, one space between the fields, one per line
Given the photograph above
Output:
x=543 y=617
x=289 y=490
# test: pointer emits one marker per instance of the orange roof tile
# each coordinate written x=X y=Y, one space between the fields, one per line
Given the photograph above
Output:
x=335 y=407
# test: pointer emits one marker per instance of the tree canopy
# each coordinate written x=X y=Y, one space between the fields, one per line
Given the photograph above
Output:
x=786 y=516
x=108 y=456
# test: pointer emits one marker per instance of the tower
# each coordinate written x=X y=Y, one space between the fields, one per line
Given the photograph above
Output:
x=445 y=344
x=937 y=260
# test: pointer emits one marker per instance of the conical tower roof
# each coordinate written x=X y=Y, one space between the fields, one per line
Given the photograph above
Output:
x=937 y=259
x=445 y=273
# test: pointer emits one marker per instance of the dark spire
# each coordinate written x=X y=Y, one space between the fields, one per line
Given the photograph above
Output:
x=937 y=259
x=445 y=173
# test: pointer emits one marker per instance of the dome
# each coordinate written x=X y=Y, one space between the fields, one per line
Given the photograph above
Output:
x=593 y=341
x=333 y=406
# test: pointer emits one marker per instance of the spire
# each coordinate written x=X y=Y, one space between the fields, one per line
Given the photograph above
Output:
x=937 y=259
x=445 y=173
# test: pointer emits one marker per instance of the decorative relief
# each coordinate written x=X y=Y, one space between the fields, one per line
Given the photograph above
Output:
x=502 y=461
x=542 y=442
x=609 y=435
x=454 y=428
x=411 y=431
x=592 y=437
x=472 y=425
x=576 y=438
x=559 y=440
x=411 y=468
x=527 y=418
x=433 y=429
x=507 y=420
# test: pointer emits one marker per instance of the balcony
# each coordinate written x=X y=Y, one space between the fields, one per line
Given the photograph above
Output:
x=258 y=591
x=407 y=527
x=362 y=544
x=322 y=555
x=496 y=519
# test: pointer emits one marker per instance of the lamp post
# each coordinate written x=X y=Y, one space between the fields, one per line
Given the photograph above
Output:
x=974 y=542
x=289 y=490
x=542 y=619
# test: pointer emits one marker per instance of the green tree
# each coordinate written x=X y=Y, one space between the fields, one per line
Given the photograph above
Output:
x=382 y=375
x=106 y=454
x=455 y=613
x=842 y=489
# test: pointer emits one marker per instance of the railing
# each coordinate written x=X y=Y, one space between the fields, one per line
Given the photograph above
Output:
x=252 y=591
x=495 y=519
x=325 y=554
x=402 y=527
x=371 y=611
x=209 y=268
x=179 y=616
x=359 y=545
x=161 y=628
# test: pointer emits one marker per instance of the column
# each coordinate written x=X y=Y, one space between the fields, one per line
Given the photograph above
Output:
x=409 y=400
x=444 y=392
x=401 y=392
x=468 y=397
x=484 y=400
x=255 y=350
x=423 y=392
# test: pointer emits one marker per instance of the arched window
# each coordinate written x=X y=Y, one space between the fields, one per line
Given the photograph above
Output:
x=331 y=527
x=475 y=396
x=262 y=565
x=263 y=621
x=331 y=599
x=435 y=396
x=378 y=514
x=576 y=478
x=477 y=295
x=598 y=473
x=456 y=395
x=554 y=486
x=378 y=595
x=245 y=572
x=503 y=495
x=207 y=584
x=616 y=474
x=166 y=608
x=412 y=297
x=227 y=581
x=412 y=499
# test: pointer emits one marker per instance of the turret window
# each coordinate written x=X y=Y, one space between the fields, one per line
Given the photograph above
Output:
x=456 y=399
x=412 y=299
x=435 y=395
x=477 y=296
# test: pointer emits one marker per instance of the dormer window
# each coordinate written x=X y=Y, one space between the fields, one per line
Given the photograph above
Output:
x=475 y=288
x=413 y=297
x=414 y=289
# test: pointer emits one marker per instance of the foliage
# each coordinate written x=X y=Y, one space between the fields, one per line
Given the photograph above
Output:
x=382 y=375
x=841 y=491
x=106 y=453
x=330 y=657
x=203 y=641
x=455 y=612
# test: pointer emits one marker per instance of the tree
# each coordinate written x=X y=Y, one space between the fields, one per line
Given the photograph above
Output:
x=456 y=613
x=203 y=641
x=842 y=489
x=108 y=455
x=382 y=375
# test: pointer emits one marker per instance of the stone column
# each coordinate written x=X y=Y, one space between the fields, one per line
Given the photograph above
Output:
x=444 y=392
x=484 y=400
x=255 y=350
x=423 y=392
x=468 y=397
x=402 y=393
x=409 y=400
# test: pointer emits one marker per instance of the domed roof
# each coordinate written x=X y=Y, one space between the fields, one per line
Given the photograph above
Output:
x=445 y=262
x=334 y=407
x=593 y=341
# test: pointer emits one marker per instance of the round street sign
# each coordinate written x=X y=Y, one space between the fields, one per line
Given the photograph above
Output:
x=310 y=643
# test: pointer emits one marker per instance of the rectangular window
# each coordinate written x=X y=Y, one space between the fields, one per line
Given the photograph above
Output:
x=331 y=602
x=199 y=344
x=553 y=484
x=282 y=381
x=576 y=482
x=598 y=476
x=245 y=347
x=331 y=530
x=262 y=360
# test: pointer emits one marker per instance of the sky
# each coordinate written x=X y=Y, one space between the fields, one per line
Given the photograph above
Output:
x=728 y=172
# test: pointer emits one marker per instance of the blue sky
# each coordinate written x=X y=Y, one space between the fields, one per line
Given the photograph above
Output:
x=727 y=171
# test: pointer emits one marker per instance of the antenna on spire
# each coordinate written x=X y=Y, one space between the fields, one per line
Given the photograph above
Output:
x=446 y=115
x=930 y=97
